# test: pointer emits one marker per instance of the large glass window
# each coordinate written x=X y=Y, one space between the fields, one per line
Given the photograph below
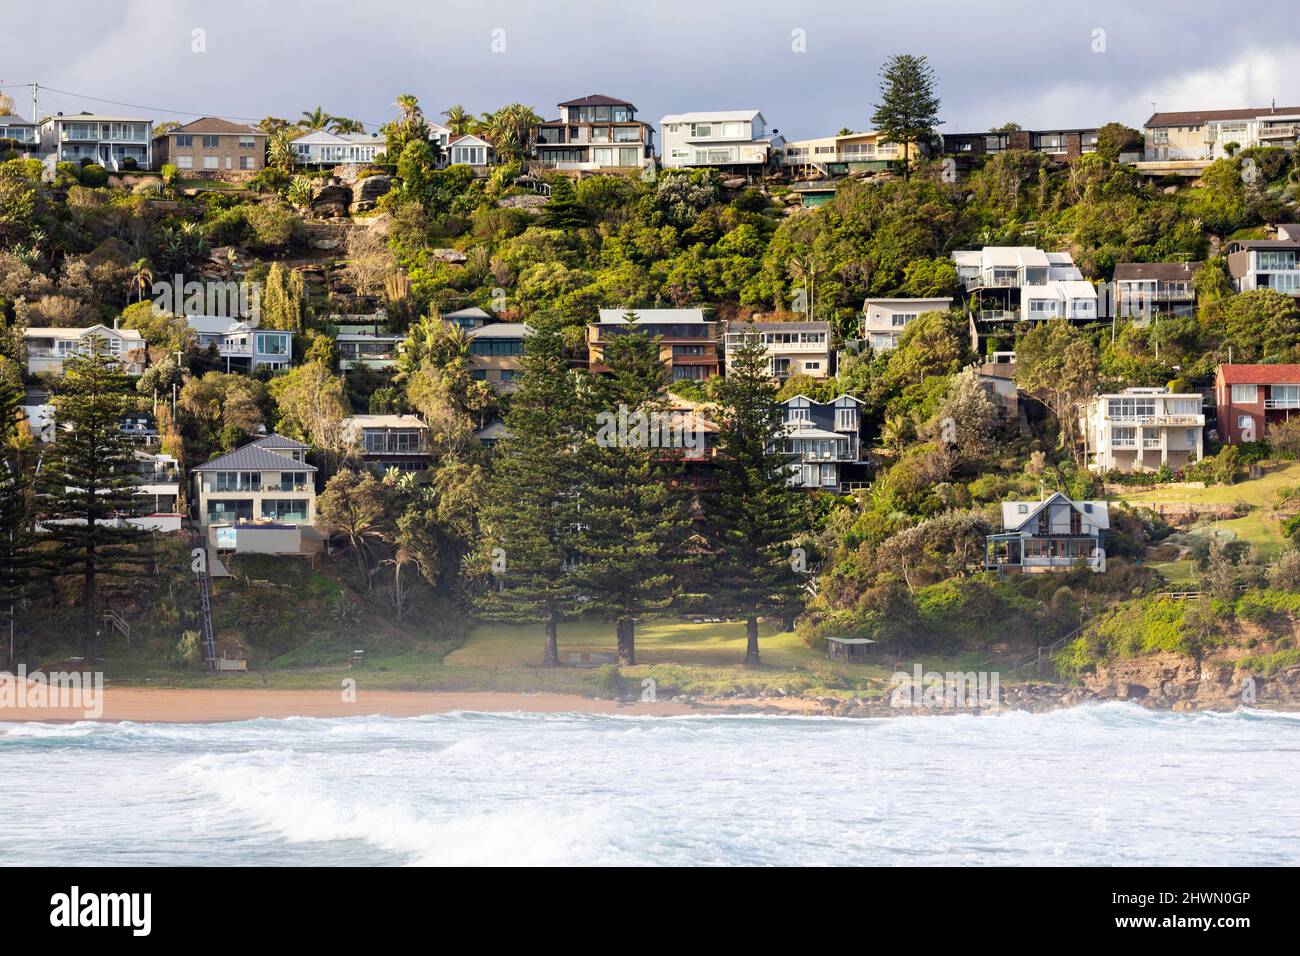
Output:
x=272 y=343
x=1245 y=394
x=232 y=511
x=236 y=481
x=288 y=510
x=497 y=347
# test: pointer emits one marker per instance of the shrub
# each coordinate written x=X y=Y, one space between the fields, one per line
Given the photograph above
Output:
x=94 y=176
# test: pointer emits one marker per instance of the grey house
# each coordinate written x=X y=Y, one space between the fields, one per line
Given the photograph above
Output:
x=823 y=441
x=1050 y=535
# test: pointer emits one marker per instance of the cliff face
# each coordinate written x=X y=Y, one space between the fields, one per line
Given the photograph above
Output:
x=1175 y=682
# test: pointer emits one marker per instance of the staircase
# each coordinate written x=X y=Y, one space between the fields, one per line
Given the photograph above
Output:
x=205 y=617
x=118 y=623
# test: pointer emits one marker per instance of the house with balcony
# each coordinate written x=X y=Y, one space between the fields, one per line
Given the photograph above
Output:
x=390 y=441
x=735 y=141
x=1058 y=145
x=365 y=344
x=323 y=148
x=823 y=443
x=594 y=133
x=793 y=348
x=264 y=488
x=1264 y=264
x=156 y=479
x=1206 y=135
x=1008 y=285
x=48 y=348
x=496 y=352
x=1142 y=430
x=210 y=146
x=241 y=345
x=1249 y=398
x=114 y=142
x=883 y=320
x=688 y=344
x=842 y=154
x=1154 y=289
x=19 y=133
x=1055 y=534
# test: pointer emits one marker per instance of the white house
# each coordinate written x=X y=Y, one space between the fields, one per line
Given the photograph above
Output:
x=1141 y=429
x=47 y=348
x=242 y=344
x=883 y=320
x=793 y=348
x=470 y=150
x=724 y=138
x=109 y=141
x=323 y=148
x=265 y=484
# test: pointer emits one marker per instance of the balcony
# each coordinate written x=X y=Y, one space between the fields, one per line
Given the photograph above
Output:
x=1278 y=404
x=1177 y=421
x=1286 y=131
x=997 y=315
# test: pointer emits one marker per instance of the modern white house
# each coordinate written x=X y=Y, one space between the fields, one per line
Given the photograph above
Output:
x=1073 y=299
x=1054 y=534
x=323 y=148
x=883 y=320
x=265 y=484
x=1265 y=264
x=47 y=348
x=793 y=348
x=114 y=142
x=242 y=344
x=1007 y=285
x=1142 y=429
x=729 y=139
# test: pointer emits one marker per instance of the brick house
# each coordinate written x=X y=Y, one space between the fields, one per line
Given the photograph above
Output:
x=1252 y=397
x=212 y=148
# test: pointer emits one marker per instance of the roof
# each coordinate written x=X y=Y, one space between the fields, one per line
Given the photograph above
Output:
x=13 y=119
x=596 y=99
x=781 y=327
x=1164 y=271
x=321 y=137
x=44 y=332
x=276 y=440
x=1098 y=512
x=719 y=116
x=457 y=140
x=493 y=432
x=92 y=117
x=1244 y=244
x=214 y=124
x=1201 y=117
x=384 y=421
x=905 y=301
x=1260 y=374
x=1005 y=370
x=1060 y=289
x=473 y=312
x=855 y=641
x=216 y=324
x=652 y=316
x=500 y=330
x=251 y=457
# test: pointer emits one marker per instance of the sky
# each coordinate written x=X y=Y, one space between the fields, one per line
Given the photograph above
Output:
x=811 y=67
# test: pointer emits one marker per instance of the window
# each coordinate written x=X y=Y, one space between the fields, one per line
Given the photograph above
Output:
x=1125 y=408
x=603 y=156
x=272 y=343
x=211 y=142
x=230 y=511
x=211 y=162
x=812 y=366
x=496 y=347
x=247 y=142
x=899 y=319
x=246 y=162
x=846 y=419
x=701 y=130
x=289 y=510
x=1245 y=394
x=236 y=481
x=184 y=141
x=627 y=134
x=184 y=162
x=1123 y=437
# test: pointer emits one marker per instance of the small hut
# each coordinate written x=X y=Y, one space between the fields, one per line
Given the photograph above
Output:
x=849 y=649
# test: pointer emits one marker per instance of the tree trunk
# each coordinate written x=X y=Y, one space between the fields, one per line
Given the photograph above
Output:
x=551 y=649
x=88 y=600
x=751 y=642
x=627 y=642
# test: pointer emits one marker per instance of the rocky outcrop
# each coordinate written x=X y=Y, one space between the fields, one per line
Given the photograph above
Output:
x=453 y=256
x=366 y=192
x=331 y=201
x=1171 y=682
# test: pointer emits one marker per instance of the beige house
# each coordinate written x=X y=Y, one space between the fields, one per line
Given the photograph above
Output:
x=1142 y=429
x=211 y=145
x=883 y=320
x=847 y=149
x=1207 y=134
x=793 y=348
x=265 y=484
x=496 y=352
x=47 y=348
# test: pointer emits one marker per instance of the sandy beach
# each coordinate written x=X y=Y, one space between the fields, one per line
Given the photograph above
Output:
x=199 y=705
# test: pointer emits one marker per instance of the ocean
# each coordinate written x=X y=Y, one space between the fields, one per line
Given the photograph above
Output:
x=1099 y=785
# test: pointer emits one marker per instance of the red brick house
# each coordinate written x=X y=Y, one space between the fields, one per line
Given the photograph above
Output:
x=1252 y=397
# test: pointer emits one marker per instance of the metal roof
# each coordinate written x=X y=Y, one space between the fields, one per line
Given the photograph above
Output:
x=251 y=457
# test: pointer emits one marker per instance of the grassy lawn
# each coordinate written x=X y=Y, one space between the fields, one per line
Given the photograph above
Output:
x=1258 y=527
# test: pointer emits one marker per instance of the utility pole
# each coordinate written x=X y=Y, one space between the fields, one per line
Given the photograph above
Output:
x=35 y=88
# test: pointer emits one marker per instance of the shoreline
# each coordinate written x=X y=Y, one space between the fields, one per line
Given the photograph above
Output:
x=195 y=705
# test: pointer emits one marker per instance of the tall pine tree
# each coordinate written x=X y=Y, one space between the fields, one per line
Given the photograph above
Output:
x=530 y=511
x=753 y=515
x=84 y=483
x=15 y=554
x=908 y=110
x=635 y=519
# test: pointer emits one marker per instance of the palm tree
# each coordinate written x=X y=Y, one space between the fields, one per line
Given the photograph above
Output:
x=409 y=104
x=316 y=119
x=459 y=119
x=342 y=124
x=279 y=150
x=141 y=277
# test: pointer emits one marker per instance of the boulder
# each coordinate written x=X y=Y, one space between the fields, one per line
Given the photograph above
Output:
x=453 y=256
x=333 y=199
x=366 y=192
x=1131 y=691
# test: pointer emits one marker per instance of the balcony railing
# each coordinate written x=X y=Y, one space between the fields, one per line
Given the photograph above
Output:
x=998 y=315
x=1278 y=132
x=1173 y=420
x=1282 y=403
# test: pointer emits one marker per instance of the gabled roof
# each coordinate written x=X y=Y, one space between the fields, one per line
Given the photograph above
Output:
x=214 y=124
x=467 y=139
x=13 y=119
x=45 y=332
x=1098 y=512
x=1163 y=271
x=596 y=99
x=384 y=421
x=251 y=457
x=473 y=312
x=1260 y=374
x=321 y=137
x=1201 y=117
x=216 y=324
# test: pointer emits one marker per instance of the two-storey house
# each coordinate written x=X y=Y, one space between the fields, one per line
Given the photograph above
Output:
x=1142 y=429
x=114 y=142
x=496 y=351
x=1215 y=134
x=731 y=140
x=1154 y=289
x=823 y=442
x=365 y=344
x=1051 y=535
x=1264 y=264
x=323 y=148
x=211 y=145
x=793 y=348
x=688 y=344
x=594 y=133
x=843 y=153
x=883 y=320
x=390 y=441
x=48 y=348
x=266 y=483
x=241 y=345
x=1249 y=398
